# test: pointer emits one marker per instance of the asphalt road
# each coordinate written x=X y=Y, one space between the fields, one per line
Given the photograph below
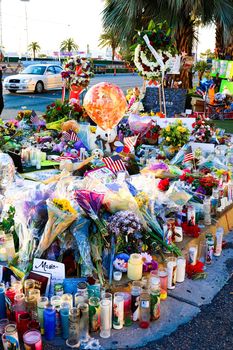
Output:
x=38 y=102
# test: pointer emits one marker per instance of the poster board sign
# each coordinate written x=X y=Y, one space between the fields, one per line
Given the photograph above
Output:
x=206 y=147
x=175 y=100
x=56 y=269
x=225 y=84
x=163 y=122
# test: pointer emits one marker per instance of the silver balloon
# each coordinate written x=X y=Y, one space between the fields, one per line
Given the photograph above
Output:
x=7 y=171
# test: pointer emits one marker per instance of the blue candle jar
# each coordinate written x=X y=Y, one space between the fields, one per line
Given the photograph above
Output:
x=64 y=314
x=49 y=322
x=2 y=301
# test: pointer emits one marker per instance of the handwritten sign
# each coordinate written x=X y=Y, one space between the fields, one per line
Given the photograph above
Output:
x=56 y=269
x=175 y=100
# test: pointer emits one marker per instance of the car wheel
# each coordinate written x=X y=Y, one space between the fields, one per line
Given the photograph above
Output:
x=39 y=87
x=12 y=91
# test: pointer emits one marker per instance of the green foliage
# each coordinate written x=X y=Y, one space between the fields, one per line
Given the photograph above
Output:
x=68 y=45
x=201 y=66
x=34 y=47
x=7 y=225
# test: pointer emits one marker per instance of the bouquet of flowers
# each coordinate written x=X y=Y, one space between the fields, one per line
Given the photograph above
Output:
x=126 y=227
x=77 y=71
x=60 y=216
x=57 y=110
x=203 y=129
x=205 y=184
x=91 y=203
x=175 y=134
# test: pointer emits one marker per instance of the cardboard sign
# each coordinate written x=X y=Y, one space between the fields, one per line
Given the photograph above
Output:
x=175 y=100
x=163 y=122
x=56 y=269
x=206 y=147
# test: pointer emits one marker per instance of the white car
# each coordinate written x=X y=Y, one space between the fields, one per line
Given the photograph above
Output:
x=35 y=78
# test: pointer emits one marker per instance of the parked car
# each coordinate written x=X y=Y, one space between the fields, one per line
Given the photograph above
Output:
x=35 y=78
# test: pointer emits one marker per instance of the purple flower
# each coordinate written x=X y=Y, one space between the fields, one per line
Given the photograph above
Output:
x=89 y=201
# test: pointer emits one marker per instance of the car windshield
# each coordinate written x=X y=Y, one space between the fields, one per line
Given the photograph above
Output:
x=39 y=70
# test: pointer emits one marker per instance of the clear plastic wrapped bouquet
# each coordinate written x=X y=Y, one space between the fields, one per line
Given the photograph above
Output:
x=60 y=216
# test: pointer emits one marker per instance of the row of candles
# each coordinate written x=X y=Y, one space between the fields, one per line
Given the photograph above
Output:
x=27 y=315
x=33 y=156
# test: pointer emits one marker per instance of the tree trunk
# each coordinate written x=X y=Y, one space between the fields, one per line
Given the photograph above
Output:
x=223 y=47
x=184 y=43
x=34 y=54
x=113 y=53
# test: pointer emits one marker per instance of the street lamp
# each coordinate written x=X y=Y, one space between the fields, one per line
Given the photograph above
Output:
x=26 y=23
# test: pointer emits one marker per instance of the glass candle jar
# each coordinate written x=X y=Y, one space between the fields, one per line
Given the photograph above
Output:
x=82 y=290
x=135 y=300
x=171 y=271
x=42 y=302
x=84 y=321
x=56 y=301
x=105 y=320
x=64 y=314
x=94 y=313
x=144 y=314
x=180 y=271
x=24 y=320
x=73 y=339
x=28 y=284
x=127 y=309
x=2 y=301
x=10 y=295
x=12 y=337
x=108 y=296
x=19 y=306
x=163 y=283
x=67 y=297
x=3 y=323
x=118 y=311
x=31 y=306
x=18 y=286
x=49 y=322
x=78 y=299
x=134 y=271
x=155 y=298
x=32 y=340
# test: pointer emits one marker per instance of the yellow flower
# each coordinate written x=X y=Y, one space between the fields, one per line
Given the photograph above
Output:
x=168 y=129
x=179 y=122
x=168 y=138
x=180 y=128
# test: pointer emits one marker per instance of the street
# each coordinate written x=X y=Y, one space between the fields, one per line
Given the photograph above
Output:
x=39 y=102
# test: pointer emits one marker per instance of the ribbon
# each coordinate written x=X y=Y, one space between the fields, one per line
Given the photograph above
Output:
x=154 y=52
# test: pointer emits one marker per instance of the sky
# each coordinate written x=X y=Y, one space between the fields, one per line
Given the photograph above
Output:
x=52 y=21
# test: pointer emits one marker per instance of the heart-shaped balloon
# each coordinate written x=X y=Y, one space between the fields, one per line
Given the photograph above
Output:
x=139 y=125
x=106 y=104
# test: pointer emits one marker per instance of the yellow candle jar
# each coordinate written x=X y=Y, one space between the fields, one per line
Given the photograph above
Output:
x=135 y=267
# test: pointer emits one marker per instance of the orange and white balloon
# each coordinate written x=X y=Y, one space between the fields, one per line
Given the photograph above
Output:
x=106 y=104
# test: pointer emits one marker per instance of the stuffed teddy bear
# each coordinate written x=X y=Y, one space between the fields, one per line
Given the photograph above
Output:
x=105 y=140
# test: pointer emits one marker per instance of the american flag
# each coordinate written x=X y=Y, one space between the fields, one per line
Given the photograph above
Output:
x=34 y=118
x=188 y=156
x=114 y=163
x=59 y=159
x=130 y=142
x=200 y=92
x=212 y=86
x=70 y=136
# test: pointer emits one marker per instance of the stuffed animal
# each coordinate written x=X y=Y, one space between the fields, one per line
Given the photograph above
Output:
x=105 y=140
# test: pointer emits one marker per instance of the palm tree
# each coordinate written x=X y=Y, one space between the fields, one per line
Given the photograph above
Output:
x=68 y=45
x=129 y=16
x=34 y=47
x=111 y=39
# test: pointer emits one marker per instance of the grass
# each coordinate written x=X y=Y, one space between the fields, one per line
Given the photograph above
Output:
x=227 y=125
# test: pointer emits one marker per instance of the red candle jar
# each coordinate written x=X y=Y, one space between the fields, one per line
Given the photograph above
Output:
x=23 y=322
x=10 y=295
x=32 y=340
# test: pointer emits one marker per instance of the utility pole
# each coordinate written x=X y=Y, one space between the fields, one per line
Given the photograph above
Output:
x=26 y=25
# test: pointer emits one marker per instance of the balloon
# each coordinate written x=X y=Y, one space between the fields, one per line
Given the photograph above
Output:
x=139 y=124
x=106 y=104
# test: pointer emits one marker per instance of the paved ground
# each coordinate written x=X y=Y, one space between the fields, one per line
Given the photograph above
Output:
x=39 y=102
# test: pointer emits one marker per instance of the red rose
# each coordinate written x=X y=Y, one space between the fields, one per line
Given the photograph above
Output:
x=58 y=108
x=52 y=104
x=163 y=184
